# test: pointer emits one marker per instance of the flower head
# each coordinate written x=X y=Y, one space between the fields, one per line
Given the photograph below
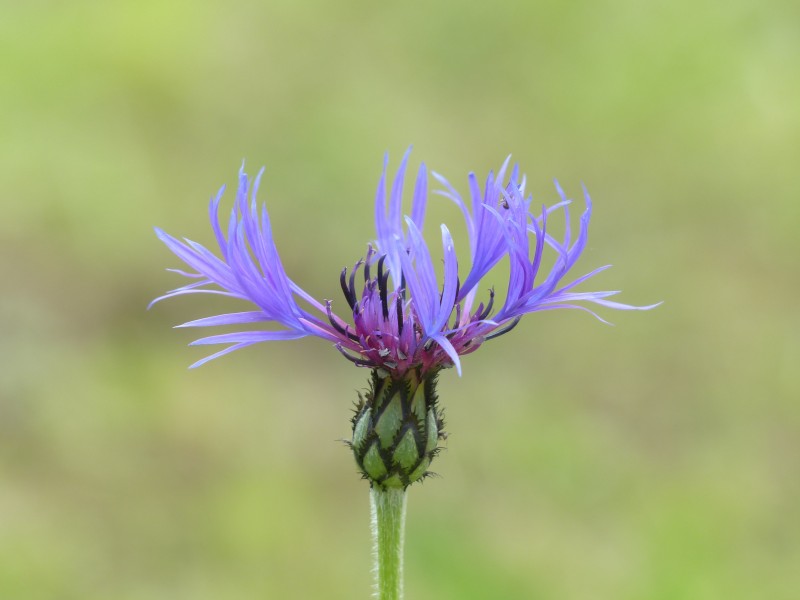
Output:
x=399 y=316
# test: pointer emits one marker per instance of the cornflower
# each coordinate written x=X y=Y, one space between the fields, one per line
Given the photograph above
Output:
x=400 y=320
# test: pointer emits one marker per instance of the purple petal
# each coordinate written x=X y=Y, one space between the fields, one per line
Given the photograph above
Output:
x=249 y=337
x=542 y=307
x=583 y=278
x=213 y=215
x=184 y=292
x=228 y=319
x=420 y=197
x=450 y=281
x=381 y=226
x=396 y=199
x=583 y=296
x=418 y=277
x=449 y=350
x=200 y=263
x=220 y=353
x=453 y=195
x=620 y=306
x=186 y=273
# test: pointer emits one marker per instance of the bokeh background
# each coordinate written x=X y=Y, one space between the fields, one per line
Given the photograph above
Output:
x=655 y=459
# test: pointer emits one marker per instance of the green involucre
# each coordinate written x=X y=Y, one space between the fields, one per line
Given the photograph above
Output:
x=396 y=429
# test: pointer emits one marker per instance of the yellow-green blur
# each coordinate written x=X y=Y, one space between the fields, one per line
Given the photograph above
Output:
x=657 y=459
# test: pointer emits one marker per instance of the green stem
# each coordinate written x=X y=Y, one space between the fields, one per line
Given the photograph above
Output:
x=388 y=531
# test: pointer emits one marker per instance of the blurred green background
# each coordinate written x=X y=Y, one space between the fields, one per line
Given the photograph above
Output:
x=656 y=459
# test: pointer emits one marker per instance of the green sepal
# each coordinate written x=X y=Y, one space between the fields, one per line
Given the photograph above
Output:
x=390 y=421
x=373 y=463
x=418 y=403
x=360 y=430
x=420 y=471
x=406 y=454
x=432 y=431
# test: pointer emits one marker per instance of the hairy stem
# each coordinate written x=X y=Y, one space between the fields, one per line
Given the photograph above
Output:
x=388 y=531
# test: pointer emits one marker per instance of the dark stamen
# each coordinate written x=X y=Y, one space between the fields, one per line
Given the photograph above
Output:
x=381 y=260
x=353 y=279
x=399 y=310
x=359 y=361
x=488 y=308
x=382 y=281
x=351 y=298
x=336 y=326
x=367 y=261
x=403 y=284
x=382 y=287
x=504 y=330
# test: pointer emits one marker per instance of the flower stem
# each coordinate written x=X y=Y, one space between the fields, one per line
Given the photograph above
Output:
x=388 y=531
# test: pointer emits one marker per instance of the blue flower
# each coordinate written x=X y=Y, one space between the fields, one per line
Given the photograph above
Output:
x=399 y=316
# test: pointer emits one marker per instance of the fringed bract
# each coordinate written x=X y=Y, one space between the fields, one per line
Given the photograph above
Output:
x=397 y=428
